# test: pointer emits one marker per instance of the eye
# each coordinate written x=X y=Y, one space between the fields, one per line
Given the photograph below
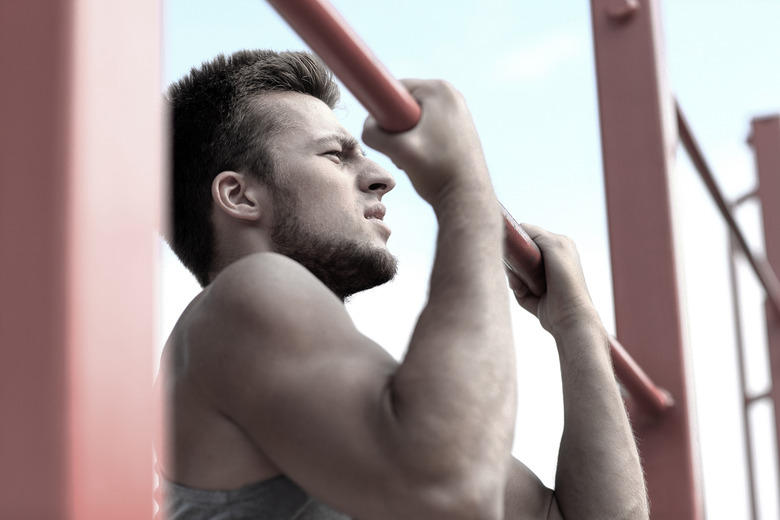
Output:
x=335 y=154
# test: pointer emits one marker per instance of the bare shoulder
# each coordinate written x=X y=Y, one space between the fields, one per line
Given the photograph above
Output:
x=269 y=286
x=266 y=313
x=264 y=310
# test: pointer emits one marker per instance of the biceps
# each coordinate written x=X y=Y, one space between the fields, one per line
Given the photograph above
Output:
x=323 y=421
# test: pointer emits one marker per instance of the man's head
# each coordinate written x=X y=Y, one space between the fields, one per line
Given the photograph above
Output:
x=263 y=120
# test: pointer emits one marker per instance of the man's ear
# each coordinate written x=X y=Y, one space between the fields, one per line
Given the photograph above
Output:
x=238 y=196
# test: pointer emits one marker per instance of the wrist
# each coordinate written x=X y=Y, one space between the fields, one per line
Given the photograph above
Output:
x=581 y=333
x=472 y=196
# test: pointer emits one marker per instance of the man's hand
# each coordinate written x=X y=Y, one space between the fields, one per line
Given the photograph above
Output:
x=598 y=474
x=443 y=150
x=567 y=300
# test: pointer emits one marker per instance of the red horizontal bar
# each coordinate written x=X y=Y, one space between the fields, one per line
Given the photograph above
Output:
x=328 y=34
x=522 y=255
x=764 y=272
x=650 y=398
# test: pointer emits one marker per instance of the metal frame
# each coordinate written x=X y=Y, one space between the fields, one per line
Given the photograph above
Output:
x=80 y=156
x=766 y=275
x=767 y=150
x=80 y=212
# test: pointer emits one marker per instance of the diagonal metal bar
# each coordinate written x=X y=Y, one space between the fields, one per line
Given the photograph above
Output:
x=761 y=267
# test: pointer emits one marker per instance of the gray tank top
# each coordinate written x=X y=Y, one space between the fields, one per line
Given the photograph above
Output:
x=276 y=499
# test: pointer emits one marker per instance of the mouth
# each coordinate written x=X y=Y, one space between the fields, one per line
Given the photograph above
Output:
x=376 y=214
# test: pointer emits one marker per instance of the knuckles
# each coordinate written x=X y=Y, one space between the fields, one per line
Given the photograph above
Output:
x=557 y=243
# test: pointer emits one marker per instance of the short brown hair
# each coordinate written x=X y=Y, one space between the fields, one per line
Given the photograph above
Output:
x=218 y=125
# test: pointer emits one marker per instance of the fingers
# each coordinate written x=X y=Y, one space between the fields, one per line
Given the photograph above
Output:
x=374 y=136
x=557 y=247
x=523 y=294
x=441 y=149
x=567 y=293
x=423 y=91
x=414 y=84
x=535 y=232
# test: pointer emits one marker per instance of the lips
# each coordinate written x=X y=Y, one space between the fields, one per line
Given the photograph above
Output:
x=378 y=212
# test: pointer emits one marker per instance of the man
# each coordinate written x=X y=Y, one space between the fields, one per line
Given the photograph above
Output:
x=277 y=406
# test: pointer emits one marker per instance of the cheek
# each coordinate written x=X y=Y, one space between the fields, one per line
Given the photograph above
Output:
x=330 y=203
x=329 y=212
x=340 y=201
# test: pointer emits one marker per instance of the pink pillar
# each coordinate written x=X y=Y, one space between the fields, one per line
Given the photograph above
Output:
x=638 y=144
x=765 y=139
x=80 y=170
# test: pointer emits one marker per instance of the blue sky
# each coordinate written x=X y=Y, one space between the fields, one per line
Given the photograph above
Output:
x=526 y=69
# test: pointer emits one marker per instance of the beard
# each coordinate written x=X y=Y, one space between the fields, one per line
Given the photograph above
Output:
x=346 y=266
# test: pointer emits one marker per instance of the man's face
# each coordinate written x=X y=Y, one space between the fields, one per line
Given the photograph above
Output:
x=327 y=206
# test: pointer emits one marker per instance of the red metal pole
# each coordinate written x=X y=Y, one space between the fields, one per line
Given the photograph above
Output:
x=329 y=35
x=80 y=156
x=765 y=140
x=33 y=403
x=638 y=141
x=747 y=401
x=648 y=400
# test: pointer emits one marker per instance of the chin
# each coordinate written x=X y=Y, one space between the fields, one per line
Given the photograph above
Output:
x=375 y=267
x=344 y=264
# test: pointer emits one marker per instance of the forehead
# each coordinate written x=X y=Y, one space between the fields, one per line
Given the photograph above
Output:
x=303 y=120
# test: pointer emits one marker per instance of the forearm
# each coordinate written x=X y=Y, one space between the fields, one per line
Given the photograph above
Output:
x=457 y=382
x=599 y=473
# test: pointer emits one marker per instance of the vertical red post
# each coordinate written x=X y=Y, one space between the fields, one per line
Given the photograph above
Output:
x=32 y=273
x=765 y=139
x=639 y=139
x=80 y=164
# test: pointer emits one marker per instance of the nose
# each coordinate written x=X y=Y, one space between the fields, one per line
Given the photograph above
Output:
x=376 y=179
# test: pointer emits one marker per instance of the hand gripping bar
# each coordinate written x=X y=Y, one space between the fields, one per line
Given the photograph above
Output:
x=328 y=34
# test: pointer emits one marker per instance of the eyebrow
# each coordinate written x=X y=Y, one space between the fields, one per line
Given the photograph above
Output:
x=346 y=141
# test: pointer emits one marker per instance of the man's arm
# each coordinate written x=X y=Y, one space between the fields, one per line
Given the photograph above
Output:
x=599 y=474
x=457 y=379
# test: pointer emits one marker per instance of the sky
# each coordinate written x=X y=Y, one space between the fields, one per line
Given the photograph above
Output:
x=527 y=72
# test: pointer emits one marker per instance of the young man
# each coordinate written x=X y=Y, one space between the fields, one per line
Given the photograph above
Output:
x=277 y=406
